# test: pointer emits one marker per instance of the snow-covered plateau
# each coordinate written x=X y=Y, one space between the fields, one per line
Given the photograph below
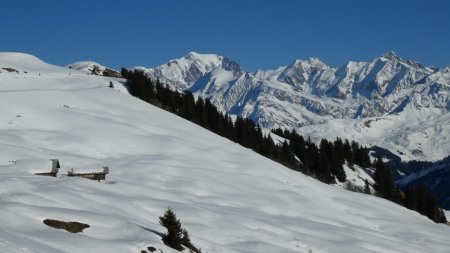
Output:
x=229 y=198
x=391 y=102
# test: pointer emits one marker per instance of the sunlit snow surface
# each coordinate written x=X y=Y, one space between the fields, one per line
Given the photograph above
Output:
x=228 y=198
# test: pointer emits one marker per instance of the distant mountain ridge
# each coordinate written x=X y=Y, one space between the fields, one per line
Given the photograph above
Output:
x=309 y=92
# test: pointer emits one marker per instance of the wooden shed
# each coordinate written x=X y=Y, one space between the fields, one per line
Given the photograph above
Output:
x=93 y=174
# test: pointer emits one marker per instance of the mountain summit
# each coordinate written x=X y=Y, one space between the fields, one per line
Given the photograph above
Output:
x=182 y=73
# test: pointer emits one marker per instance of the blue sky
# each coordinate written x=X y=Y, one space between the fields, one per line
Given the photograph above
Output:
x=257 y=34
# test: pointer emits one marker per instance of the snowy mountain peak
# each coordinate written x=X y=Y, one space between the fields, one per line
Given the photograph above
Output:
x=311 y=62
x=391 y=55
x=301 y=72
x=195 y=54
x=203 y=59
x=213 y=61
x=183 y=72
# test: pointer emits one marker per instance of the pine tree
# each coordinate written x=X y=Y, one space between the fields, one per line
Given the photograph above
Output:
x=286 y=156
x=173 y=238
x=324 y=168
x=185 y=239
x=410 y=200
x=366 y=187
x=384 y=184
x=347 y=150
x=355 y=154
x=201 y=116
x=188 y=108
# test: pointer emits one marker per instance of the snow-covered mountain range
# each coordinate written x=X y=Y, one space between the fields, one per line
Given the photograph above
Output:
x=389 y=101
x=229 y=198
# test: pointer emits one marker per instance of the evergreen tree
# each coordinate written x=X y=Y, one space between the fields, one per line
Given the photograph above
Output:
x=201 y=113
x=173 y=238
x=410 y=200
x=365 y=158
x=324 y=168
x=279 y=132
x=188 y=106
x=185 y=239
x=366 y=187
x=286 y=156
x=338 y=147
x=384 y=184
x=355 y=154
x=347 y=150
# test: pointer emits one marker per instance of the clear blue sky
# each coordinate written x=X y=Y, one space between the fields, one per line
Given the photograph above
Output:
x=257 y=34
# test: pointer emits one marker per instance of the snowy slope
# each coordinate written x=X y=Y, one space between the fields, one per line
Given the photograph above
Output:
x=229 y=198
x=308 y=92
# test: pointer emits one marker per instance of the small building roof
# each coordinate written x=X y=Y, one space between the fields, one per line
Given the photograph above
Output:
x=87 y=170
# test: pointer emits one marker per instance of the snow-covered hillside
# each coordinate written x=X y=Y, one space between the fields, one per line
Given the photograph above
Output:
x=93 y=68
x=229 y=198
x=388 y=89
